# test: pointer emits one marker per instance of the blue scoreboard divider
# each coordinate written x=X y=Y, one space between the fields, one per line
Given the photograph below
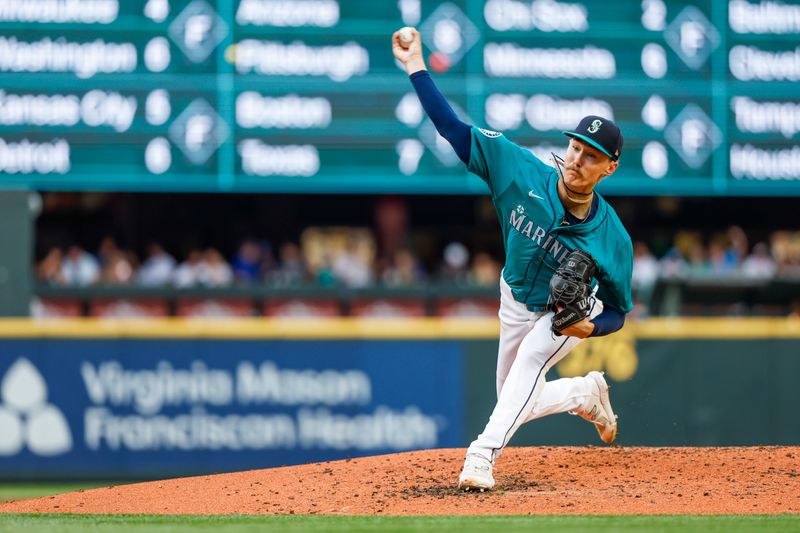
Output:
x=137 y=408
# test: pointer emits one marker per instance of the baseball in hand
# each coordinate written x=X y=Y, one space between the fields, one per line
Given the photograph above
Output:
x=406 y=36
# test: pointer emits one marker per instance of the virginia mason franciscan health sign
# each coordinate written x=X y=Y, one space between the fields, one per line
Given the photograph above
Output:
x=141 y=407
x=285 y=95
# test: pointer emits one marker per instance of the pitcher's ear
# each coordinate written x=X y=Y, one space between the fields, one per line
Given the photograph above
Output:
x=611 y=168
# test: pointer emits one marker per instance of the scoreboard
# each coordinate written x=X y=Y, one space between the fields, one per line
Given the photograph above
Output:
x=305 y=95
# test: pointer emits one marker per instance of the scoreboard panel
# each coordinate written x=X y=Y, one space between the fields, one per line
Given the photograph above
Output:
x=305 y=96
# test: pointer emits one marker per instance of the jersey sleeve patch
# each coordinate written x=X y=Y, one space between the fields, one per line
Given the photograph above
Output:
x=489 y=133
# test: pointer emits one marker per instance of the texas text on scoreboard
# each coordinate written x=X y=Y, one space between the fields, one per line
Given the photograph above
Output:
x=305 y=95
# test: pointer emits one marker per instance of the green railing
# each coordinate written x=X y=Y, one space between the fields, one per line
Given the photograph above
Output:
x=695 y=295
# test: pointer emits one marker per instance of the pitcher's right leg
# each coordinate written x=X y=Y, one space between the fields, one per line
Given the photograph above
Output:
x=515 y=323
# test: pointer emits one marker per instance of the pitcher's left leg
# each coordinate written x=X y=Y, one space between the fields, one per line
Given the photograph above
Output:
x=562 y=396
x=539 y=351
x=586 y=396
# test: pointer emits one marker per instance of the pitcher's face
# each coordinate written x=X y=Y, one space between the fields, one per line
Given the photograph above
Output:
x=585 y=166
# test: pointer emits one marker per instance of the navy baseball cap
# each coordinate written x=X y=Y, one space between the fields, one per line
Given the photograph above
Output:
x=601 y=133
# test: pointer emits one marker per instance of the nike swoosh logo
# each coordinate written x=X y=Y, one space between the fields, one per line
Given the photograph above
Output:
x=533 y=195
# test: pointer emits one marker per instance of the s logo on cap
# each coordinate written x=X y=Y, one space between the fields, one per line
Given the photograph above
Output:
x=595 y=126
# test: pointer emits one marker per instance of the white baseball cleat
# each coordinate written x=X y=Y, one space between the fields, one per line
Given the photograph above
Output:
x=599 y=410
x=477 y=473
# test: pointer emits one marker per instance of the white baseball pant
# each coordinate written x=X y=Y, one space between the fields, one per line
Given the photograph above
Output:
x=528 y=349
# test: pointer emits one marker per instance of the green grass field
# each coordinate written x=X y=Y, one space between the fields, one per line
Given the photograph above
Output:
x=20 y=491
x=52 y=523
x=357 y=524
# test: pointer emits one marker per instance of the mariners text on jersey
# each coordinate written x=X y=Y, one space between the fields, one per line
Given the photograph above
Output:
x=556 y=249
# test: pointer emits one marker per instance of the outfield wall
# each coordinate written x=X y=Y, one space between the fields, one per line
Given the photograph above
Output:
x=133 y=399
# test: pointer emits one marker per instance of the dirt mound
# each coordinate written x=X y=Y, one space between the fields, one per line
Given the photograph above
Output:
x=548 y=480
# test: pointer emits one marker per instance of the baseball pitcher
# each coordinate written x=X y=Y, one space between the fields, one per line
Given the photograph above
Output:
x=567 y=273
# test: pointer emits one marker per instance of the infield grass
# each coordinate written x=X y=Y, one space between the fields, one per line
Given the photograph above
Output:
x=22 y=491
x=395 y=524
x=61 y=523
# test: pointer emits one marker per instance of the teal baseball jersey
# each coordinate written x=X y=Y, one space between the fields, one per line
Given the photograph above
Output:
x=535 y=236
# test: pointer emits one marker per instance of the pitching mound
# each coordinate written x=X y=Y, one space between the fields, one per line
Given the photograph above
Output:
x=558 y=480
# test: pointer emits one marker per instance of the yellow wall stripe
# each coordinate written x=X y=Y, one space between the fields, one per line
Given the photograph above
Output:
x=383 y=328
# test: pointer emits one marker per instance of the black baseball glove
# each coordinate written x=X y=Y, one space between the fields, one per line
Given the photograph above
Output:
x=570 y=288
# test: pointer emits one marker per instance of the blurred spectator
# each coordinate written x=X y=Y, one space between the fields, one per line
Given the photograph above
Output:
x=324 y=275
x=720 y=259
x=49 y=269
x=189 y=272
x=759 y=264
x=158 y=269
x=673 y=265
x=645 y=266
x=214 y=270
x=79 y=267
x=786 y=251
x=291 y=266
x=207 y=268
x=685 y=240
x=351 y=267
x=403 y=270
x=391 y=225
x=118 y=268
x=485 y=270
x=252 y=261
x=346 y=252
x=455 y=263
x=698 y=264
x=107 y=251
x=737 y=247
